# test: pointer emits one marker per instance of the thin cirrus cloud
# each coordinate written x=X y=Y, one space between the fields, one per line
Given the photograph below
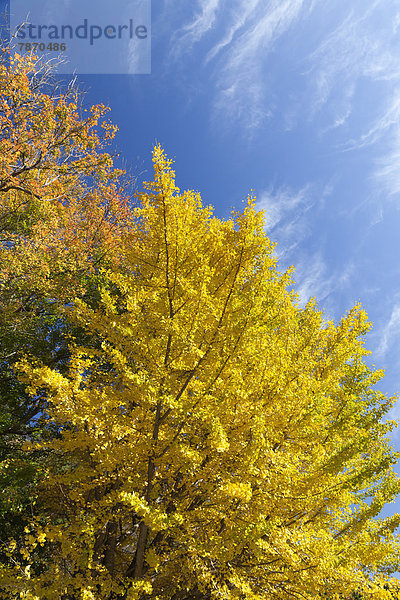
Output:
x=193 y=32
x=356 y=70
x=314 y=279
x=390 y=333
x=287 y=222
x=203 y=21
x=387 y=172
x=291 y=220
x=385 y=132
x=290 y=214
x=241 y=36
x=237 y=24
x=234 y=41
x=346 y=53
x=242 y=92
x=311 y=280
x=384 y=125
x=286 y=213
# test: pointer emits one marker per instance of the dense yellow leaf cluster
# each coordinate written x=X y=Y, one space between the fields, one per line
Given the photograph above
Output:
x=221 y=440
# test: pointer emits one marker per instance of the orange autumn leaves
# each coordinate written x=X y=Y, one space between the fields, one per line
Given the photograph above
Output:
x=61 y=200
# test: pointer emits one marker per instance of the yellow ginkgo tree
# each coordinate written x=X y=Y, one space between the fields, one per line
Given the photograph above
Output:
x=218 y=440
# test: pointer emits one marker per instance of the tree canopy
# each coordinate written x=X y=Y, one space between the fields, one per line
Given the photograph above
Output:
x=61 y=207
x=208 y=436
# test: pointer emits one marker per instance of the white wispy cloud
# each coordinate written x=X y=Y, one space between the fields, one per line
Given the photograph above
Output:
x=387 y=122
x=241 y=17
x=278 y=204
x=335 y=60
x=203 y=21
x=241 y=80
x=244 y=33
x=390 y=332
x=359 y=43
x=387 y=165
x=315 y=279
x=311 y=279
x=286 y=216
x=291 y=220
x=387 y=172
x=357 y=47
x=356 y=50
x=362 y=53
x=288 y=222
x=290 y=213
x=192 y=32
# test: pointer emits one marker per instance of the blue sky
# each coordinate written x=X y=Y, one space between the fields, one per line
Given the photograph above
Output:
x=298 y=100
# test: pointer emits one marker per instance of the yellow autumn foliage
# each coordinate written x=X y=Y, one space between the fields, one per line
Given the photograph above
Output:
x=220 y=441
